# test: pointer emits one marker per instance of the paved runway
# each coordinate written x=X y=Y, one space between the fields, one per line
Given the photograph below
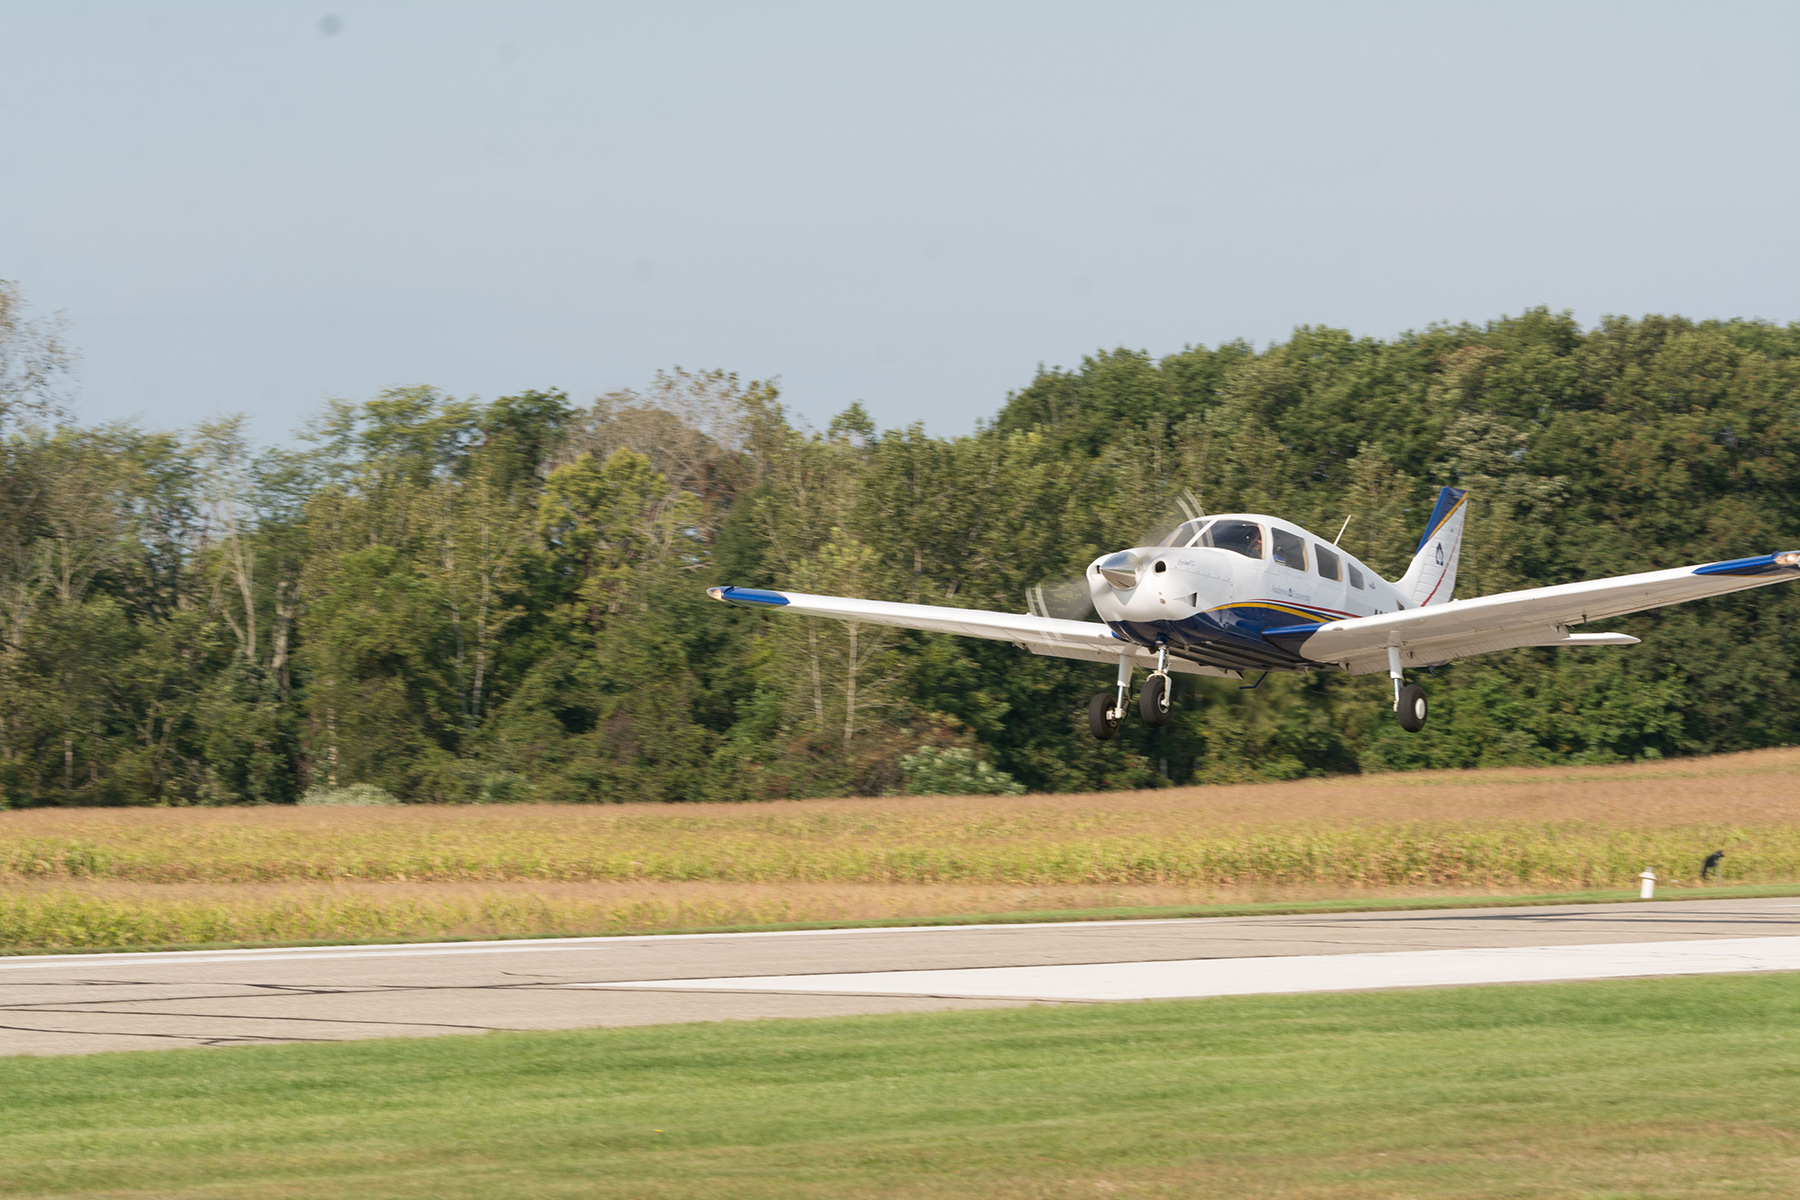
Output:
x=1194 y=977
x=70 y=1004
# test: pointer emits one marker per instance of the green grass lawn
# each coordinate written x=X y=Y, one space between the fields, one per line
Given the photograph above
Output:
x=1652 y=1088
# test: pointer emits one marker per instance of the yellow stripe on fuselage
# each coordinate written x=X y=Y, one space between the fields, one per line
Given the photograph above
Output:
x=1280 y=608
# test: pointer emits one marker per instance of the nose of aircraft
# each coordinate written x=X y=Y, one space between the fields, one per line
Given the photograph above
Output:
x=1120 y=570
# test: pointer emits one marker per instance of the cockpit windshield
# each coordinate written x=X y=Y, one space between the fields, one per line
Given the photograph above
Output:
x=1184 y=533
x=1243 y=537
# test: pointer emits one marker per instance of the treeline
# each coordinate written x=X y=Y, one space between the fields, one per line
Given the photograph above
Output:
x=466 y=602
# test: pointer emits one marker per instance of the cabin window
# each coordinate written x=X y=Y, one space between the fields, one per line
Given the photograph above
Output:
x=1328 y=563
x=1184 y=533
x=1241 y=537
x=1356 y=580
x=1290 y=550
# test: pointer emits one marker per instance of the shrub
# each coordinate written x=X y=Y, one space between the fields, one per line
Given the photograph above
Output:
x=359 y=795
x=931 y=771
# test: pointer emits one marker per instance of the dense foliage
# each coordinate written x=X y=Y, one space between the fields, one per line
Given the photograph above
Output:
x=468 y=602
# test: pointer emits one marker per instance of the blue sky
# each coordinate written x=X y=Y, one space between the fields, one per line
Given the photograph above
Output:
x=252 y=207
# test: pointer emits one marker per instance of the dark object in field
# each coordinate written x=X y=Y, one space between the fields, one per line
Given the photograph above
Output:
x=1711 y=865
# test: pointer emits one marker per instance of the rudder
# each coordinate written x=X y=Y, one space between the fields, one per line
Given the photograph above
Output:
x=1431 y=578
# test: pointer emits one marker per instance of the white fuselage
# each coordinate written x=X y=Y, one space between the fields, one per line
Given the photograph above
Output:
x=1223 y=582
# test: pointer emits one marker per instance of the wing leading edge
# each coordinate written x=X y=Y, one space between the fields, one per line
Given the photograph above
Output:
x=1532 y=617
x=1051 y=636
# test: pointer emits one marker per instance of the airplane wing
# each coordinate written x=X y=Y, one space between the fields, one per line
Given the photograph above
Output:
x=1532 y=617
x=1053 y=636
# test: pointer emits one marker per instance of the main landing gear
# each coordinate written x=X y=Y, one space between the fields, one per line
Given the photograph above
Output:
x=1409 y=698
x=1156 y=701
x=1103 y=718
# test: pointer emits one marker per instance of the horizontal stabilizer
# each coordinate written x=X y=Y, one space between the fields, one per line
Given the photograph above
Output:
x=1596 y=639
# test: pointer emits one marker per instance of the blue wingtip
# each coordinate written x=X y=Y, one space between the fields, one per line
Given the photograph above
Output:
x=738 y=595
x=1762 y=564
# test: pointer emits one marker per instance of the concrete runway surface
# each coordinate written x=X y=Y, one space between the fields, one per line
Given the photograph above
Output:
x=72 y=1004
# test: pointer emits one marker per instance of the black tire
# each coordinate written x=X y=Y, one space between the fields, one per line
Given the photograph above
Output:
x=1412 y=708
x=1155 y=704
x=1104 y=725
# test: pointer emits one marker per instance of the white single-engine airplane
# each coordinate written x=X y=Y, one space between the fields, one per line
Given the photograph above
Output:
x=1247 y=592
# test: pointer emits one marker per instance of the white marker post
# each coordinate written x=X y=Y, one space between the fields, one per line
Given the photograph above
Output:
x=1648 y=890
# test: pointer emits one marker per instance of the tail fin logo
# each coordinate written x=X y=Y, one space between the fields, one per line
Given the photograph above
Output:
x=1440 y=554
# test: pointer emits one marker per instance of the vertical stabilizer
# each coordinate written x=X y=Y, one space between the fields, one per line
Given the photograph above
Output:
x=1431 y=579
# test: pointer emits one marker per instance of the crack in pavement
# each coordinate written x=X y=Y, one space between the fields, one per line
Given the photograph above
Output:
x=199 y=1039
x=267 y=990
x=115 y=1012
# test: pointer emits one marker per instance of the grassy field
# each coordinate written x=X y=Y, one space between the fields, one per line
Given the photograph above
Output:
x=98 y=877
x=175 y=918
x=1645 y=1088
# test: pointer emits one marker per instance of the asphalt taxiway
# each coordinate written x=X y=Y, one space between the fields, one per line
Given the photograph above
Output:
x=72 y=1004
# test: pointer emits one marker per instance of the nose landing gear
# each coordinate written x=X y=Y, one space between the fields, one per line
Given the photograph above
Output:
x=1156 y=701
x=1155 y=704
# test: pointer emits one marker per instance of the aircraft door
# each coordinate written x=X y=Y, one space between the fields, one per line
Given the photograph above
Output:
x=1333 y=584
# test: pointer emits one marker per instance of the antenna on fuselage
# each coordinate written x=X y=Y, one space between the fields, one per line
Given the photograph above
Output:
x=1346 y=525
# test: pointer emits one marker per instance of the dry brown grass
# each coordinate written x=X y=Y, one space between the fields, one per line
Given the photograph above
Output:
x=131 y=876
x=1755 y=787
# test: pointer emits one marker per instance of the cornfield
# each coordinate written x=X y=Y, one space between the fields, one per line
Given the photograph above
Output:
x=144 y=876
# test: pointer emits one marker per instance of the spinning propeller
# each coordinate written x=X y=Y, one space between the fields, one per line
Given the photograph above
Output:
x=1067 y=596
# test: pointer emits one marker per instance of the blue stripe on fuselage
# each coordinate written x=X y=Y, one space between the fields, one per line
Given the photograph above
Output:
x=1238 y=632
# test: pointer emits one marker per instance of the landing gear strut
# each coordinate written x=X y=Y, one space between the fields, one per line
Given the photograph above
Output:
x=1409 y=698
x=1107 y=709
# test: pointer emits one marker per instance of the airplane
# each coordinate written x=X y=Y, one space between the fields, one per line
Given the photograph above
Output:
x=1239 y=592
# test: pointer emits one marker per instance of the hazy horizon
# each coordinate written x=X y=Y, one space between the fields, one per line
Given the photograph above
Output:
x=255 y=208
